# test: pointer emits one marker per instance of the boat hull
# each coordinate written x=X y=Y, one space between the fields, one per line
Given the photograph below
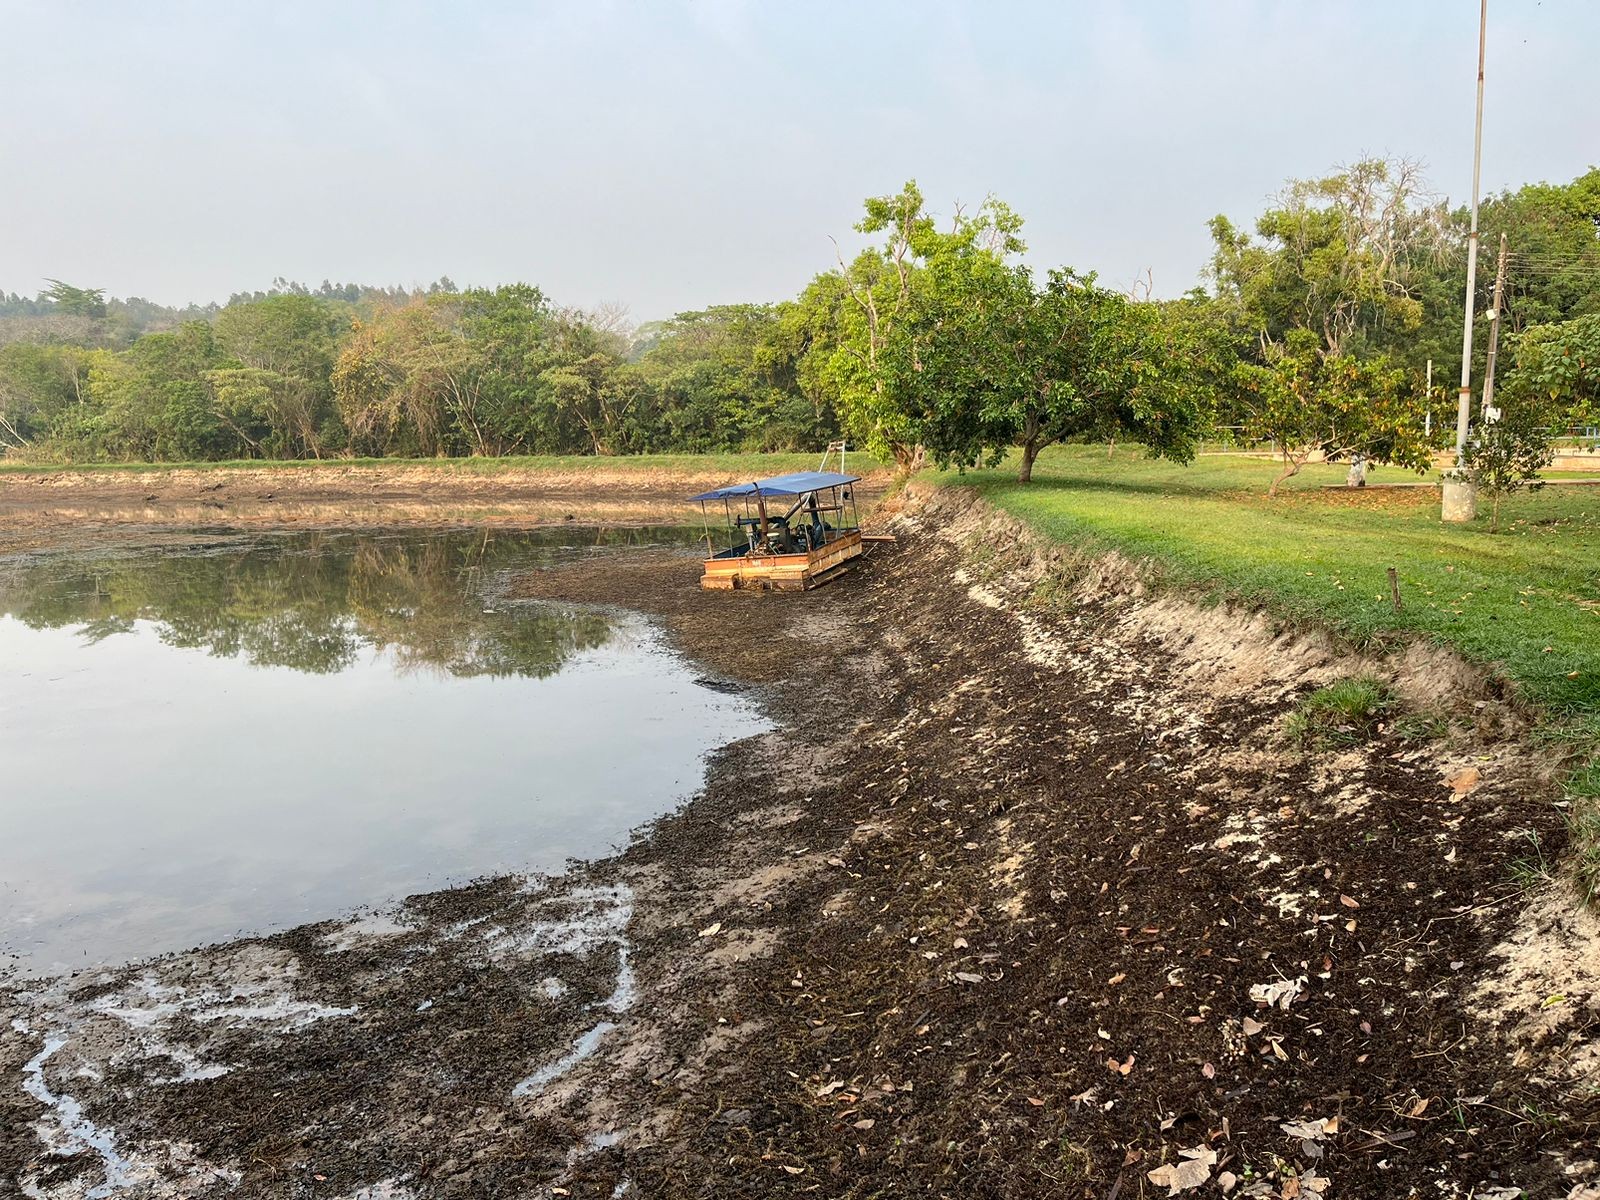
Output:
x=784 y=572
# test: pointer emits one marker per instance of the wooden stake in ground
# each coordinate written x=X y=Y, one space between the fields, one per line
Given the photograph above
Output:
x=1394 y=588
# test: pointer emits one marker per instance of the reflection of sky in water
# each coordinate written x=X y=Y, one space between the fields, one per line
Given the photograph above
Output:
x=156 y=796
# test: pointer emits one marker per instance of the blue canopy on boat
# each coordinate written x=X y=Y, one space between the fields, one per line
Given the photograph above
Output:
x=797 y=484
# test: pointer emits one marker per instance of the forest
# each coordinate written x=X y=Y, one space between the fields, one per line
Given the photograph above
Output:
x=1311 y=332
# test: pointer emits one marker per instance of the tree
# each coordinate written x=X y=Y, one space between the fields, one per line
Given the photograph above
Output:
x=876 y=365
x=1309 y=403
x=1508 y=453
x=451 y=373
x=1012 y=366
x=1104 y=367
x=75 y=301
x=43 y=389
x=274 y=390
x=1343 y=257
x=153 y=402
x=1560 y=365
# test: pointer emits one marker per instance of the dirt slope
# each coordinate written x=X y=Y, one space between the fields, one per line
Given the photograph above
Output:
x=1022 y=900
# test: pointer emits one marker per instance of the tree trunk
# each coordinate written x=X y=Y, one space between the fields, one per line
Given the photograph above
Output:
x=1030 y=452
x=908 y=459
x=1291 y=468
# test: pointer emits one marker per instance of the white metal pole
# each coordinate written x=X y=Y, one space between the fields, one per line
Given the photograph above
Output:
x=1427 y=419
x=1464 y=404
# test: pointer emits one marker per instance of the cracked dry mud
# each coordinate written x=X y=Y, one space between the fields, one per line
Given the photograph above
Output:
x=1022 y=898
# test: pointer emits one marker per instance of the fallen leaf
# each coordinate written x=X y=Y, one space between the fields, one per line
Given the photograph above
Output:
x=1227 y=1181
x=1420 y=1107
x=1308 y=1131
x=968 y=977
x=828 y=1089
x=1193 y=1171
x=864 y=1123
x=1349 y=901
x=1035 y=1101
x=1281 y=992
x=1209 y=1071
x=1462 y=781
x=712 y=929
x=960 y=943
x=1251 y=1026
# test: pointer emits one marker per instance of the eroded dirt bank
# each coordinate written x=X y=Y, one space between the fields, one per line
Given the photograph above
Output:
x=1023 y=899
x=36 y=506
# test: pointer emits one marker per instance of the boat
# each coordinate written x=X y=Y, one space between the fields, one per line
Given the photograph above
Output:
x=788 y=532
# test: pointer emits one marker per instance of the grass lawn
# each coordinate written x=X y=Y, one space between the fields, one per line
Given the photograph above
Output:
x=1526 y=599
x=736 y=465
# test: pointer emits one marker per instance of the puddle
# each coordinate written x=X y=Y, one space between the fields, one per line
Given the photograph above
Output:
x=236 y=734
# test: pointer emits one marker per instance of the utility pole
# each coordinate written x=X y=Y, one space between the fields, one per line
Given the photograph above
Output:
x=1461 y=501
x=1427 y=417
x=1488 y=410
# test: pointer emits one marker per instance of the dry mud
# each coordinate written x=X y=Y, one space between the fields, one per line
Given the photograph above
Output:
x=1027 y=896
x=35 y=507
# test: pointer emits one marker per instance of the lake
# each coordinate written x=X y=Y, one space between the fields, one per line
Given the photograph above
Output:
x=220 y=735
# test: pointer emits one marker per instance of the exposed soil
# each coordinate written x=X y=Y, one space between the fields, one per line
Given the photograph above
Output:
x=1027 y=896
x=36 y=506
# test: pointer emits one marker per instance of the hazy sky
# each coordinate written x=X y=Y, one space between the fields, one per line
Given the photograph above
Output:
x=678 y=153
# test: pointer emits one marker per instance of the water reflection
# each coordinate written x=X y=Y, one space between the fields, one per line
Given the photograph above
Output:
x=242 y=734
x=314 y=602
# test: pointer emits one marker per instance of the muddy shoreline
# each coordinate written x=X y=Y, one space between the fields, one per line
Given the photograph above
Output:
x=37 y=506
x=1026 y=896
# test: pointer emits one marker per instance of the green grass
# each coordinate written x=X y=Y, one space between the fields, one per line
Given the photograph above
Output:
x=1524 y=602
x=736 y=465
x=1344 y=713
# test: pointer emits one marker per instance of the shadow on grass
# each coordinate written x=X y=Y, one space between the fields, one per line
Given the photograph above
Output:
x=990 y=484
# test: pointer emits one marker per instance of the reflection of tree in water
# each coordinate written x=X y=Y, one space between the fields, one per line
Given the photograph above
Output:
x=423 y=599
x=314 y=602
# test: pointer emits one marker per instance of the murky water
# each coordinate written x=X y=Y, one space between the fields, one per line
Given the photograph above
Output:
x=240 y=734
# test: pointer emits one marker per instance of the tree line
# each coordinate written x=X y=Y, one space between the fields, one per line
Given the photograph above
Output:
x=1312 y=332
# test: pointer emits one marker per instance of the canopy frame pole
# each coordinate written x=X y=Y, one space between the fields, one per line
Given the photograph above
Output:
x=761 y=504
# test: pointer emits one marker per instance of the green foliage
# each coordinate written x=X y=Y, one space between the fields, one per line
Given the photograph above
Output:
x=1559 y=365
x=1344 y=713
x=1507 y=454
x=934 y=340
x=1555 y=253
x=1340 y=258
x=76 y=301
x=1310 y=402
x=887 y=323
x=42 y=391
